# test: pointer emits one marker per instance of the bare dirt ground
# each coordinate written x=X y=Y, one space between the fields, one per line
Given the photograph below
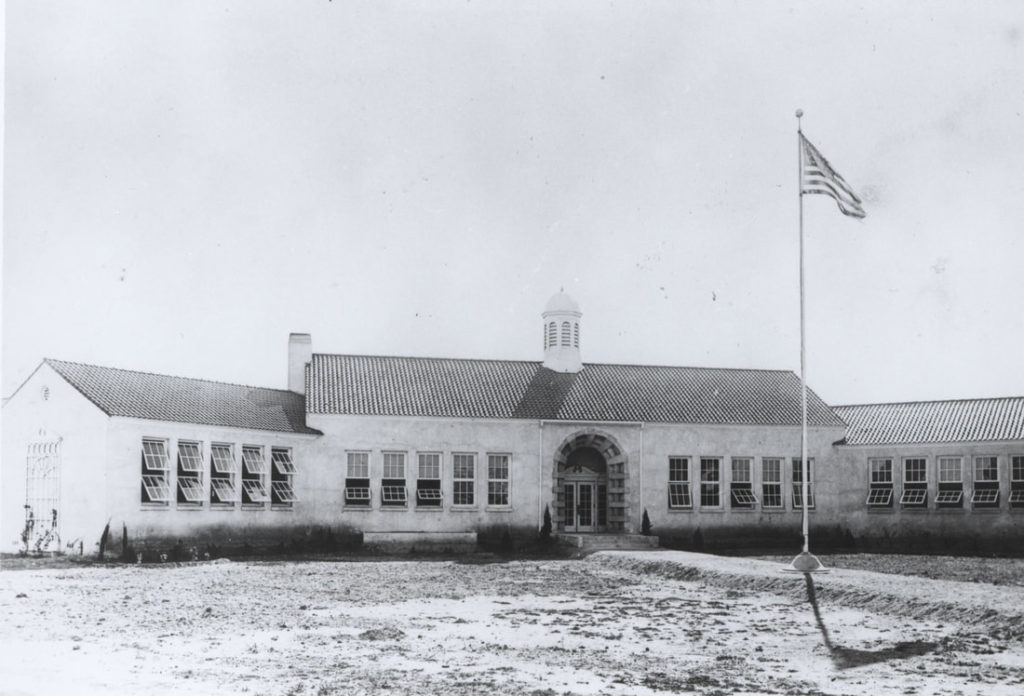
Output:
x=613 y=623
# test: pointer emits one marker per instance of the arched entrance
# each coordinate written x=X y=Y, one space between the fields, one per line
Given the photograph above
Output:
x=590 y=484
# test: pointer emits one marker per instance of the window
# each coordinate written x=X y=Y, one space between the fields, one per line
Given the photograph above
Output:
x=565 y=333
x=986 y=470
x=222 y=475
x=463 y=475
x=156 y=488
x=915 y=483
x=1016 y=498
x=679 y=483
x=552 y=335
x=742 y=486
x=392 y=485
x=428 y=482
x=798 y=483
x=190 y=475
x=282 y=473
x=951 y=487
x=576 y=334
x=986 y=483
x=880 y=486
x=771 y=482
x=949 y=470
x=497 y=479
x=914 y=471
x=914 y=497
x=710 y=481
x=254 y=476
x=357 y=479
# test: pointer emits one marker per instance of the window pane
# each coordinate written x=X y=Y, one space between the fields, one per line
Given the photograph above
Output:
x=1017 y=468
x=430 y=466
x=986 y=469
x=497 y=466
x=679 y=495
x=222 y=458
x=463 y=466
x=881 y=471
x=394 y=465
x=252 y=459
x=914 y=471
x=358 y=465
x=154 y=454
x=282 y=461
x=741 y=470
x=949 y=470
x=188 y=457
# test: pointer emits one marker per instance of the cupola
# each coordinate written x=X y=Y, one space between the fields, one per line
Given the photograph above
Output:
x=562 y=334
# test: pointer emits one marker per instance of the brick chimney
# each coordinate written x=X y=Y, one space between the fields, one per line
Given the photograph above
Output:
x=300 y=354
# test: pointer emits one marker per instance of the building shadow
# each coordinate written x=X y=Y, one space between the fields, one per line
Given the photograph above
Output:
x=846 y=658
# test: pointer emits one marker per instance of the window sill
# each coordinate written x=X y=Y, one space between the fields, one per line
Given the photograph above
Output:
x=356 y=508
x=254 y=506
x=463 y=508
x=429 y=508
x=181 y=507
x=283 y=508
x=681 y=509
x=223 y=506
x=499 y=508
x=393 y=508
x=155 y=506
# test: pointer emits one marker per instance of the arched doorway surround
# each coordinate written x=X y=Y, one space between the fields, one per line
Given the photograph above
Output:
x=590 y=483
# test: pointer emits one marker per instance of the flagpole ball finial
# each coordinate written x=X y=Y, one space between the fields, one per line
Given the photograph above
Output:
x=799 y=113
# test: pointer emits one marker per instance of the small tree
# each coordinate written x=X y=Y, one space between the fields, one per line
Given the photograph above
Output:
x=103 y=539
x=545 y=528
x=645 y=524
x=126 y=550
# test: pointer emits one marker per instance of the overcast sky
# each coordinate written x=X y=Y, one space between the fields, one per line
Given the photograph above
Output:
x=186 y=183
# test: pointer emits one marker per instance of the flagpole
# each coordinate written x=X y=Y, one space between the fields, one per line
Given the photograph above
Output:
x=804 y=562
x=803 y=341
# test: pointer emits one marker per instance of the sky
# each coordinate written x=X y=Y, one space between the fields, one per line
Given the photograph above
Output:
x=186 y=183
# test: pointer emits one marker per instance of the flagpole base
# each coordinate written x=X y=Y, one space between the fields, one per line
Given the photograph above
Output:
x=805 y=562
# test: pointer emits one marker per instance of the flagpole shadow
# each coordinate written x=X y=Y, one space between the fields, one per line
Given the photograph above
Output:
x=846 y=658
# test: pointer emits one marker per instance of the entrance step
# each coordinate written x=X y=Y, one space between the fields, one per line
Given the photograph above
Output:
x=598 y=542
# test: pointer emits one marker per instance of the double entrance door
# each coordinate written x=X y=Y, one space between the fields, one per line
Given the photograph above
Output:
x=583 y=508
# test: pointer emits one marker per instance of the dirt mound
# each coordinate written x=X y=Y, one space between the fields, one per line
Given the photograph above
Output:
x=999 y=610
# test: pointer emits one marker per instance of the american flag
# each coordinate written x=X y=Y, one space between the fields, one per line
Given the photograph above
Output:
x=820 y=177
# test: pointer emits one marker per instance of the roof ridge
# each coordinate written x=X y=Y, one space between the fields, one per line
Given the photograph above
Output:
x=540 y=362
x=425 y=357
x=932 y=401
x=51 y=361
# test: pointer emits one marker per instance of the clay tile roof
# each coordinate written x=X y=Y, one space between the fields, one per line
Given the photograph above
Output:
x=183 y=400
x=970 y=420
x=401 y=386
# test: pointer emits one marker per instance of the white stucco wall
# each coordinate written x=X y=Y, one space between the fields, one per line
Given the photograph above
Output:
x=208 y=520
x=949 y=523
x=81 y=427
x=726 y=442
x=446 y=436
